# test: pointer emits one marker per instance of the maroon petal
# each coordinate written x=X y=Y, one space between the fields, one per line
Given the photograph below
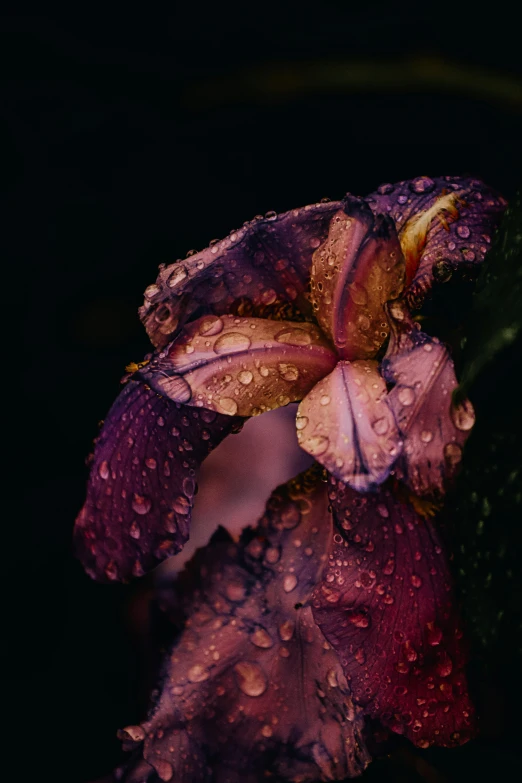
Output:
x=267 y=262
x=386 y=606
x=251 y=684
x=442 y=222
x=241 y=366
x=142 y=482
x=345 y=423
x=433 y=427
x=358 y=268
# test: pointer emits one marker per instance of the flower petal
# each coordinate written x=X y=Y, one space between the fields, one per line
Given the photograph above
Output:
x=434 y=428
x=345 y=423
x=142 y=482
x=386 y=606
x=267 y=262
x=359 y=267
x=242 y=366
x=442 y=222
x=250 y=683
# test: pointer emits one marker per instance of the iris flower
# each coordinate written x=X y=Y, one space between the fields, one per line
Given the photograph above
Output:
x=338 y=606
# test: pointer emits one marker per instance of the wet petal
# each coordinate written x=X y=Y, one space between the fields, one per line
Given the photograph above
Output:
x=434 y=428
x=266 y=262
x=142 y=482
x=386 y=606
x=356 y=270
x=250 y=683
x=242 y=366
x=442 y=222
x=345 y=423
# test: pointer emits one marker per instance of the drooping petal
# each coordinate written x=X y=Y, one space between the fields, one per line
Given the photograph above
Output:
x=142 y=482
x=345 y=423
x=442 y=222
x=242 y=366
x=251 y=683
x=267 y=262
x=385 y=604
x=434 y=428
x=356 y=270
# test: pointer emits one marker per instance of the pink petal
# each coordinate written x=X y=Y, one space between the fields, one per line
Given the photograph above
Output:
x=266 y=262
x=142 y=482
x=250 y=683
x=242 y=366
x=358 y=268
x=442 y=222
x=433 y=427
x=386 y=606
x=345 y=423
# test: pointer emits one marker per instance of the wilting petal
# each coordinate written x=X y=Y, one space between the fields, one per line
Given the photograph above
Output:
x=433 y=427
x=242 y=366
x=359 y=267
x=386 y=606
x=251 y=684
x=266 y=262
x=442 y=222
x=142 y=482
x=345 y=423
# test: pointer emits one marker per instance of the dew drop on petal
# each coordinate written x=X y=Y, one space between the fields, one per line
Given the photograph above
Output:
x=289 y=583
x=406 y=395
x=381 y=426
x=294 y=336
x=316 y=445
x=228 y=405
x=232 y=342
x=250 y=678
x=426 y=436
x=301 y=422
x=197 y=673
x=245 y=377
x=141 y=504
x=103 y=469
x=463 y=416
x=210 y=326
x=261 y=638
x=452 y=454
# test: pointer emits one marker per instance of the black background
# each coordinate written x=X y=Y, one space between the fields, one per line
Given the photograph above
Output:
x=130 y=138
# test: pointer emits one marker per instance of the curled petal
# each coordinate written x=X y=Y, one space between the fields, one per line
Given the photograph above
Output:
x=359 y=267
x=266 y=262
x=242 y=366
x=142 y=482
x=250 y=683
x=385 y=604
x=434 y=428
x=442 y=222
x=345 y=423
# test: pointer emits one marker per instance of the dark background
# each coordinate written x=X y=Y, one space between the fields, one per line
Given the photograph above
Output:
x=130 y=138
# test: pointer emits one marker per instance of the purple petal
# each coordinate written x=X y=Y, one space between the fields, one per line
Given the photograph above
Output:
x=250 y=683
x=345 y=423
x=433 y=427
x=442 y=222
x=386 y=606
x=358 y=268
x=142 y=482
x=242 y=366
x=267 y=262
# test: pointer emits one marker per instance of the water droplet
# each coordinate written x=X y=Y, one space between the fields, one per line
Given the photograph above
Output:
x=434 y=634
x=197 y=673
x=103 y=470
x=151 y=291
x=211 y=325
x=325 y=400
x=250 y=678
x=135 y=733
x=267 y=731
x=261 y=638
x=360 y=656
x=442 y=271
x=181 y=505
x=232 y=342
x=141 y=504
x=422 y=185
x=363 y=322
x=463 y=416
x=359 y=618
x=463 y=231
x=228 y=405
x=235 y=590
x=452 y=454
x=269 y=296
x=289 y=372
x=426 y=436
x=178 y=274
x=289 y=583
x=406 y=395
x=294 y=336
x=380 y=426
x=163 y=769
x=151 y=463
x=272 y=555
x=383 y=511
x=286 y=631
x=245 y=377
x=301 y=422
x=416 y=581
x=134 y=530
x=358 y=293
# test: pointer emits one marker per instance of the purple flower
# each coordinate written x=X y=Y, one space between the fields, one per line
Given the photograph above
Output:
x=314 y=306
